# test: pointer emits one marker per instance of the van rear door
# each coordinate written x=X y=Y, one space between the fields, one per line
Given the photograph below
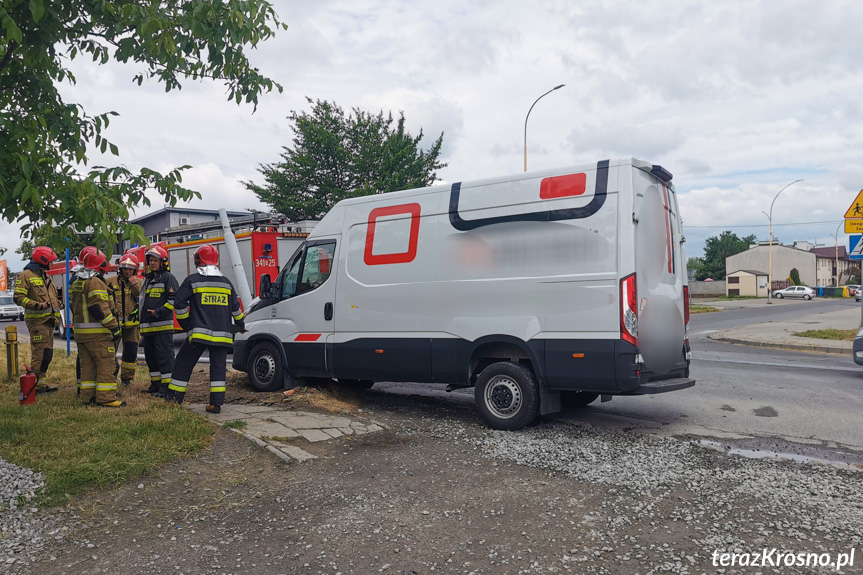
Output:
x=660 y=273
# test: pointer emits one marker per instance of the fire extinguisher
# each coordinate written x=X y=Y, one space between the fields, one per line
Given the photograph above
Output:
x=28 y=386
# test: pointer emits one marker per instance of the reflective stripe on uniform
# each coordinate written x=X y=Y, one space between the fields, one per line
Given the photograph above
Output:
x=217 y=386
x=177 y=385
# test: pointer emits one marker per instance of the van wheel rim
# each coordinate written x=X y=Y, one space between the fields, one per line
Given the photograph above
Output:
x=265 y=368
x=503 y=397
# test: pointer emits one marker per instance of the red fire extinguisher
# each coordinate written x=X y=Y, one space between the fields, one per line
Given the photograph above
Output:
x=28 y=386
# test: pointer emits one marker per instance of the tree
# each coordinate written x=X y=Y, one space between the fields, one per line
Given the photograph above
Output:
x=336 y=157
x=795 y=277
x=694 y=264
x=44 y=141
x=716 y=249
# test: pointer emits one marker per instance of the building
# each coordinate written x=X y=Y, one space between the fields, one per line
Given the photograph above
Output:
x=746 y=283
x=834 y=267
x=817 y=266
x=784 y=259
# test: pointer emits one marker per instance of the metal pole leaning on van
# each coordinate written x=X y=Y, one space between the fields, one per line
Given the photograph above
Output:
x=236 y=262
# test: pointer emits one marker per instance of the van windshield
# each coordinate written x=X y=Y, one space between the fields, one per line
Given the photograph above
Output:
x=6 y=300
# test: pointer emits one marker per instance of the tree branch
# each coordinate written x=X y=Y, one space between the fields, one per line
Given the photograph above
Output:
x=10 y=48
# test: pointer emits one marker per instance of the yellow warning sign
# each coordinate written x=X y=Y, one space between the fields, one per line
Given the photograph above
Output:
x=853 y=226
x=856 y=209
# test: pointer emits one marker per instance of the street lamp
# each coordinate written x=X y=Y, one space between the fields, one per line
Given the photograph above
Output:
x=770 y=246
x=528 y=116
x=836 y=239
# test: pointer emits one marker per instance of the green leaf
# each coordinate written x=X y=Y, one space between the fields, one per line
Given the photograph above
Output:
x=37 y=9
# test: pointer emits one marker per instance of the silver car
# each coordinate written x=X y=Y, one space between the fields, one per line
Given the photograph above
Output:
x=9 y=310
x=795 y=291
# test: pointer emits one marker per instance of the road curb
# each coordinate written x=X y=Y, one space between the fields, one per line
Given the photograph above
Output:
x=785 y=346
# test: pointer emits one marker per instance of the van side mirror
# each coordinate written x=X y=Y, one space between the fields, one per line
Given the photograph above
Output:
x=266 y=287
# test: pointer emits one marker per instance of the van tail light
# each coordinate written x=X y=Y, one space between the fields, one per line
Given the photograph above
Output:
x=686 y=305
x=629 y=310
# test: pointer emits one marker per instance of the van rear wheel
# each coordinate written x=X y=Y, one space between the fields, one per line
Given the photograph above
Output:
x=507 y=395
x=266 y=372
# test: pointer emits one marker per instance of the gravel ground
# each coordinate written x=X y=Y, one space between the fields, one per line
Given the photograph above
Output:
x=437 y=492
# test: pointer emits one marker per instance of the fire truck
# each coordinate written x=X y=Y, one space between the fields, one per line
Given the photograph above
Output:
x=265 y=244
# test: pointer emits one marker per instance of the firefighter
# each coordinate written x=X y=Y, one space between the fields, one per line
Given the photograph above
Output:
x=208 y=310
x=156 y=313
x=96 y=333
x=76 y=292
x=38 y=296
x=127 y=288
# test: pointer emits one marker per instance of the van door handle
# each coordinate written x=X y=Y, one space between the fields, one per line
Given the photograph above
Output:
x=328 y=311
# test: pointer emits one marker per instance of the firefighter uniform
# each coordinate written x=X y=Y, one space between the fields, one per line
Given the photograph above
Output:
x=33 y=289
x=95 y=331
x=76 y=299
x=207 y=308
x=126 y=293
x=157 y=328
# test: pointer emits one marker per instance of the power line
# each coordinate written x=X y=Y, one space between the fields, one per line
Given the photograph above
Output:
x=763 y=225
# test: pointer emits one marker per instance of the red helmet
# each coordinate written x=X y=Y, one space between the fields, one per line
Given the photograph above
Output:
x=128 y=261
x=95 y=260
x=43 y=255
x=85 y=251
x=206 y=255
x=157 y=252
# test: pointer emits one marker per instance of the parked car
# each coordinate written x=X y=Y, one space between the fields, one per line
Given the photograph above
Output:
x=858 y=345
x=857 y=296
x=853 y=289
x=795 y=291
x=9 y=310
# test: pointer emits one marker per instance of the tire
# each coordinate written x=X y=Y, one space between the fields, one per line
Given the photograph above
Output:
x=265 y=369
x=778 y=296
x=807 y=296
x=507 y=396
x=577 y=398
x=61 y=329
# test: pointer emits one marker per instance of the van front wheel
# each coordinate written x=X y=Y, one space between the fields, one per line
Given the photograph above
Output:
x=266 y=372
x=507 y=395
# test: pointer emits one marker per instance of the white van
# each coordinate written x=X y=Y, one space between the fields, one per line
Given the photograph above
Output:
x=536 y=289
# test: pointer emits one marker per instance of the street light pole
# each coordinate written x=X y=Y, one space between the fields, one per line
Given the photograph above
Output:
x=836 y=239
x=528 y=116
x=770 y=246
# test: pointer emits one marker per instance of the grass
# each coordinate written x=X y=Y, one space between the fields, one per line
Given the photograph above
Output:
x=835 y=334
x=235 y=424
x=702 y=309
x=78 y=448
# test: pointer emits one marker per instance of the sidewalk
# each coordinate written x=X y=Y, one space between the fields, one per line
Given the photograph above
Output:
x=780 y=334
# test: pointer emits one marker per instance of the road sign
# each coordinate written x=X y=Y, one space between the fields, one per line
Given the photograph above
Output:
x=856 y=208
x=855 y=247
x=854 y=226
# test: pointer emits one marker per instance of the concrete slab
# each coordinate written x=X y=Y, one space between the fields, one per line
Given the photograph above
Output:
x=314 y=435
x=268 y=429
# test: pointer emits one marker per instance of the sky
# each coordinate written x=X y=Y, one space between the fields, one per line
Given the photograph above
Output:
x=736 y=99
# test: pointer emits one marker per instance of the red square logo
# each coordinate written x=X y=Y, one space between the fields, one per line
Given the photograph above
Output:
x=393 y=258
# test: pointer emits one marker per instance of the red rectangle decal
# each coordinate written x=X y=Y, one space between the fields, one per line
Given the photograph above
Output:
x=563 y=186
x=308 y=337
x=371 y=259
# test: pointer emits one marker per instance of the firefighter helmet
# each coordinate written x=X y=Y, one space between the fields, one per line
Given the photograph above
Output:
x=95 y=261
x=206 y=255
x=158 y=252
x=85 y=251
x=43 y=255
x=128 y=261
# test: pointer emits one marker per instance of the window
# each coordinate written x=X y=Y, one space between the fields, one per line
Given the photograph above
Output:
x=734 y=280
x=308 y=269
x=734 y=292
